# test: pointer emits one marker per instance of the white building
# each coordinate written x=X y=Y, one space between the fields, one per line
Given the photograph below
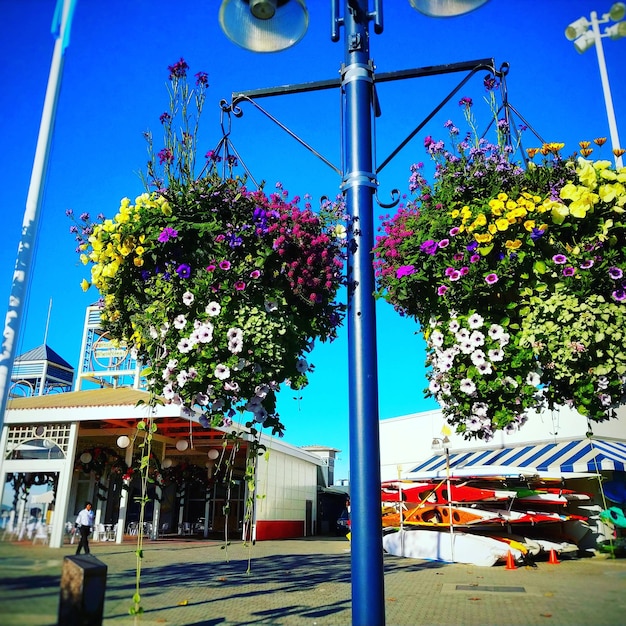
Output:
x=59 y=450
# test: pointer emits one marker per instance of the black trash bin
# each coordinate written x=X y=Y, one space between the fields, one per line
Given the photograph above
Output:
x=83 y=584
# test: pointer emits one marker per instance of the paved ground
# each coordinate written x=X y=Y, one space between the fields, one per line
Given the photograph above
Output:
x=307 y=581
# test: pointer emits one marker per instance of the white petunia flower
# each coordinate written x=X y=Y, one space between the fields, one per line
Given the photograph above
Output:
x=467 y=347
x=205 y=333
x=484 y=368
x=436 y=338
x=475 y=321
x=533 y=379
x=180 y=321
x=213 y=309
x=495 y=355
x=185 y=345
x=188 y=298
x=454 y=326
x=496 y=331
x=467 y=386
x=477 y=338
x=478 y=357
x=222 y=372
x=182 y=378
x=480 y=409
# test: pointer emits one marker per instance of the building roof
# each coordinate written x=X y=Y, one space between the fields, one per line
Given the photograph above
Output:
x=121 y=396
x=43 y=353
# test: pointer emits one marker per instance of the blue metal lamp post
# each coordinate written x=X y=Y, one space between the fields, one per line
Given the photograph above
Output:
x=251 y=23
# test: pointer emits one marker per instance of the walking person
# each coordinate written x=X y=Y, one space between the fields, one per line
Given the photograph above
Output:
x=84 y=522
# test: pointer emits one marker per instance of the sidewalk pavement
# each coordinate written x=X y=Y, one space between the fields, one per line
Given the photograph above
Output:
x=307 y=581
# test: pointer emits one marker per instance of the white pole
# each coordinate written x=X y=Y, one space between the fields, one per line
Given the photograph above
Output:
x=449 y=503
x=606 y=88
x=21 y=274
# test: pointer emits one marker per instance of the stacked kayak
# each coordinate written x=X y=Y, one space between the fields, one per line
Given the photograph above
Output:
x=476 y=520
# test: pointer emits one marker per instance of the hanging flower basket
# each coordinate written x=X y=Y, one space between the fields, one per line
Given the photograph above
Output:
x=220 y=290
x=516 y=277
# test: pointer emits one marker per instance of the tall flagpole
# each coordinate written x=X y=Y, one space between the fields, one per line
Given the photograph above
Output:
x=61 y=26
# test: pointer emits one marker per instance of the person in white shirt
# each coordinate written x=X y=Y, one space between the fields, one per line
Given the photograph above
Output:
x=84 y=522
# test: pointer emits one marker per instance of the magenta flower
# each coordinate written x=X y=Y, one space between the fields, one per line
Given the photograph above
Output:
x=179 y=69
x=444 y=243
x=255 y=274
x=454 y=231
x=224 y=265
x=165 y=156
x=405 y=270
x=167 y=233
x=490 y=279
x=240 y=285
x=569 y=271
x=442 y=290
x=210 y=268
x=475 y=258
x=202 y=78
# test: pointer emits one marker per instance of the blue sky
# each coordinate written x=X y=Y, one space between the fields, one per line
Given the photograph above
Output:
x=114 y=89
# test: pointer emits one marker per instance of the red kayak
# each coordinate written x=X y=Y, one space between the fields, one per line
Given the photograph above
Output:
x=437 y=493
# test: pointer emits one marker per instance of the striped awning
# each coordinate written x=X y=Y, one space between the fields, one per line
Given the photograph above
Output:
x=565 y=457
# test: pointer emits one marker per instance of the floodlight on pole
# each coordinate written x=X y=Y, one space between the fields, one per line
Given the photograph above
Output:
x=358 y=185
x=585 y=33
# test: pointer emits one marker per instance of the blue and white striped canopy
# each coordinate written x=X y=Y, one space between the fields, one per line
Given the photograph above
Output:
x=558 y=459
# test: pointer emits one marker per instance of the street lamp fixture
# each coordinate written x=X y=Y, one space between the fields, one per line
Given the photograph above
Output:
x=359 y=183
x=585 y=33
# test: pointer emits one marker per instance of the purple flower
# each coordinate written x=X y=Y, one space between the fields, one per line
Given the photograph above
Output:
x=490 y=82
x=183 y=270
x=211 y=155
x=465 y=102
x=569 y=271
x=240 y=285
x=619 y=295
x=179 y=69
x=429 y=247
x=165 y=118
x=536 y=233
x=167 y=233
x=224 y=265
x=444 y=243
x=475 y=258
x=585 y=265
x=442 y=290
x=165 y=156
x=559 y=259
x=455 y=275
x=615 y=273
x=405 y=270
x=202 y=78
x=490 y=279
x=470 y=247
x=454 y=231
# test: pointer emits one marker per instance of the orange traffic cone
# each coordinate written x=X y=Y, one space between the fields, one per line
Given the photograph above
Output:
x=510 y=561
x=553 y=559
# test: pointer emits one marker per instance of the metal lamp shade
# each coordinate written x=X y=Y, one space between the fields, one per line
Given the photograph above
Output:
x=282 y=25
x=445 y=8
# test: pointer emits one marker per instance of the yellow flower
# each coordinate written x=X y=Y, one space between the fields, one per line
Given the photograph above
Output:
x=480 y=220
x=502 y=196
x=84 y=285
x=607 y=193
x=559 y=213
x=496 y=205
x=139 y=250
x=586 y=173
x=529 y=225
x=138 y=261
x=570 y=191
x=84 y=259
x=585 y=203
x=492 y=228
x=483 y=237
x=455 y=213
x=166 y=208
x=466 y=213
x=502 y=224
x=512 y=245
